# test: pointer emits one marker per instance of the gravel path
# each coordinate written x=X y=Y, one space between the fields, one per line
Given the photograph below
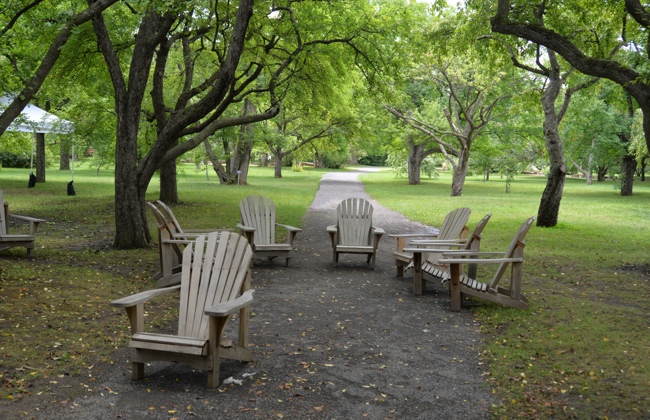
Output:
x=342 y=343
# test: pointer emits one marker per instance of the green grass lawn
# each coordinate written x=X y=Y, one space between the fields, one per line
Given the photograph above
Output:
x=581 y=350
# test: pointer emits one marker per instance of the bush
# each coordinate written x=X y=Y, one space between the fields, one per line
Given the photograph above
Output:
x=373 y=160
x=14 y=160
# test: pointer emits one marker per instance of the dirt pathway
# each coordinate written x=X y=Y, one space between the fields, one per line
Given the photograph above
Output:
x=341 y=343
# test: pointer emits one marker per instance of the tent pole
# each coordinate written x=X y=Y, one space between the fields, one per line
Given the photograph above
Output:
x=31 y=157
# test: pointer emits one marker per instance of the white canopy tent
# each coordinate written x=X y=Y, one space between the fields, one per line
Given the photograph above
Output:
x=35 y=120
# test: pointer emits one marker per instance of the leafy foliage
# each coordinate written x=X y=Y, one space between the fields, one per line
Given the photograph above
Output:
x=14 y=160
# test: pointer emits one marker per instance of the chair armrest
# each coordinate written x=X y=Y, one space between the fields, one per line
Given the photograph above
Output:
x=245 y=228
x=289 y=228
x=434 y=242
x=479 y=260
x=177 y=241
x=403 y=238
x=227 y=308
x=378 y=230
x=293 y=231
x=331 y=230
x=205 y=231
x=27 y=219
x=33 y=222
x=469 y=253
x=142 y=297
x=413 y=235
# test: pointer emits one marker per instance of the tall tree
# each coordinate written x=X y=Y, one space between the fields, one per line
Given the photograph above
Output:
x=585 y=35
x=548 y=66
x=31 y=79
x=238 y=64
x=467 y=107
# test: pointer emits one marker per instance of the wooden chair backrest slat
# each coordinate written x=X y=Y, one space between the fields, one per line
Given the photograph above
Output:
x=259 y=212
x=451 y=228
x=354 y=222
x=453 y=224
x=169 y=215
x=160 y=218
x=476 y=235
x=514 y=250
x=214 y=269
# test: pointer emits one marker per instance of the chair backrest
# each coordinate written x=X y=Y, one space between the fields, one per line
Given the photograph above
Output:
x=475 y=238
x=160 y=218
x=166 y=230
x=515 y=250
x=451 y=228
x=3 y=215
x=454 y=223
x=259 y=212
x=214 y=269
x=169 y=215
x=354 y=222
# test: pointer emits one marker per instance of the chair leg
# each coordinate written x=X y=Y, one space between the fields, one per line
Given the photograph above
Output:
x=137 y=371
x=286 y=263
x=455 y=287
x=371 y=260
x=400 y=271
x=217 y=325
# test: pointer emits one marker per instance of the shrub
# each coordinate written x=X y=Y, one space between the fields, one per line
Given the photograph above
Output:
x=373 y=160
x=14 y=160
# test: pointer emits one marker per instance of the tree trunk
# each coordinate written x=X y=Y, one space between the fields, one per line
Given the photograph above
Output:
x=264 y=160
x=168 y=184
x=549 y=207
x=216 y=165
x=245 y=149
x=602 y=173
x=40 y=157
x=64 y=156
x=415 y=159
x=460 y=173
x=589 y=176
x=628 y=167
x=278 y=165
x=242 y=156
x=318 y=160
x=131 y=229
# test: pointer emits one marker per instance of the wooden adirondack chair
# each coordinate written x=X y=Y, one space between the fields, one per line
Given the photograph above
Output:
x=215 y=283
x=462 y=284
x=257 y=222
x=8 y=240
x=430 y=270
x=354 y=232
x=170 y=249
x=453 y=229
x=171 y=242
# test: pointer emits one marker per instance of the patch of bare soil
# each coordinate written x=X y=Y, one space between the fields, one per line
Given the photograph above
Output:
x=643 y=269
